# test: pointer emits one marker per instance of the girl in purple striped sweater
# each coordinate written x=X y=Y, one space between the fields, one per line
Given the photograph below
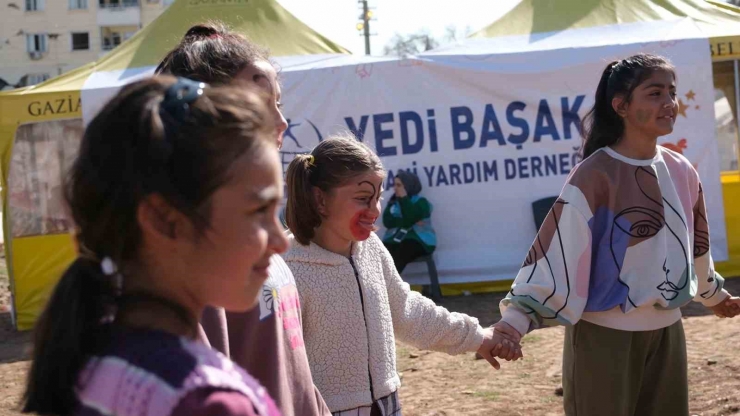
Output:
x=174 y=193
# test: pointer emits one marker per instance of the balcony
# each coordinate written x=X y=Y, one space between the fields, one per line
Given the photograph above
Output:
x=112 y=36
x=119 y=13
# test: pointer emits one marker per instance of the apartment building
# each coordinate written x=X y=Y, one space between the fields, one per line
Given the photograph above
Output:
x=40 y=39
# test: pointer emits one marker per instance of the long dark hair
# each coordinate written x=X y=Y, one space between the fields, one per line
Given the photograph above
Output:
x=602 y=126
x=132 y=149
x=331 y=164
x=210 y=52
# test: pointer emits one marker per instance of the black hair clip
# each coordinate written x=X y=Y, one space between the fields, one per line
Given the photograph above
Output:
x=175 y=108
x=180 y=95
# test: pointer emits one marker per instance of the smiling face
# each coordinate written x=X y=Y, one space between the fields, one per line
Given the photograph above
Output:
x=228 y=264
x=652 y=107
x=350 y=211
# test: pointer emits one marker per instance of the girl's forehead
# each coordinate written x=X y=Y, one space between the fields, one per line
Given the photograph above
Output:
x=663 y=75
x=368 y=179
x=260 y=72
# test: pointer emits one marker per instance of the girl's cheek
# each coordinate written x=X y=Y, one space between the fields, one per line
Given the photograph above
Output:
x=359 y=232
x=354 y=225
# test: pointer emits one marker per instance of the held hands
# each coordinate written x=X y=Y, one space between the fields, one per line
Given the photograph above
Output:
x=501 y=341
x=728 y=308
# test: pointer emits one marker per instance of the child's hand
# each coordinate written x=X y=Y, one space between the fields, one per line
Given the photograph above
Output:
x=486 y=350
x=728 y=308
x=507 y=333
x=501 y=341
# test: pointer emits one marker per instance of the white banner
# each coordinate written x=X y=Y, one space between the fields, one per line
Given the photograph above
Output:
x=490 y=134
x=489 y=126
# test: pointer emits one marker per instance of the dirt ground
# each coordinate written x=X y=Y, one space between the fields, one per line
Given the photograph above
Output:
x=438 y=384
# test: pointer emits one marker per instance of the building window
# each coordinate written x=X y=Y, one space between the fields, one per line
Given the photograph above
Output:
x=112 y=40
x=117 y=3
x=80 y=41
x=77 y=4
x=36 y=43
x=33 y=79
x=34 y=5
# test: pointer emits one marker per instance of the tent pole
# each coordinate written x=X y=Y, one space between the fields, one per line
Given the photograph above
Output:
x=366 y=27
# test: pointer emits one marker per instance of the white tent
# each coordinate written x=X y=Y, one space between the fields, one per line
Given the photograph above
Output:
x=103 y=85
x=491 y=126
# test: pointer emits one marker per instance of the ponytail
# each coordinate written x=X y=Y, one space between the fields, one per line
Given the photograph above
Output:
x=301 y=213
x=602 y=126
x=67 y=333
x=153 y=138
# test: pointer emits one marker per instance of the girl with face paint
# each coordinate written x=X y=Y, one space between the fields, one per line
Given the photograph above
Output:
x=353 y=300
x=623 y=248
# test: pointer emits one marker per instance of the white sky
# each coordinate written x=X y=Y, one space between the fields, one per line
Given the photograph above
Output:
x=337 y=19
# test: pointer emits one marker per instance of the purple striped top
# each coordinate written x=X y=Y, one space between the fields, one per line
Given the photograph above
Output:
x=149 y=373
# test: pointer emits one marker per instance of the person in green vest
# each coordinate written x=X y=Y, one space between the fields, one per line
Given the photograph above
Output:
x=407 y=218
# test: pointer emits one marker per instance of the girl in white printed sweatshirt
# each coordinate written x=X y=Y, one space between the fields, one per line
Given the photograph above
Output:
x=353 y=301
x=623 y=248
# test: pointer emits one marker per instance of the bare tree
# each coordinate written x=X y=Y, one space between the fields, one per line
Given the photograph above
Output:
x=450 y=33
x=453 y=34
x=413 y=44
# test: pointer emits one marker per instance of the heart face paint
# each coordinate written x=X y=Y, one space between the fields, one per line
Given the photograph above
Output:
x=362 y=224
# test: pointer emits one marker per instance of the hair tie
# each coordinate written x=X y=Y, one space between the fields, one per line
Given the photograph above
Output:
x=108 y=266
x=110 y=270
x=311 y=159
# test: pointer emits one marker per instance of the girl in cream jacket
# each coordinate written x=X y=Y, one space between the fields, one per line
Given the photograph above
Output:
x=353 y=300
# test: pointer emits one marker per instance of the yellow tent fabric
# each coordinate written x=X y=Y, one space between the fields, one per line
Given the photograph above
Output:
x=36 y=256
x=265 y=22
x=719 y=21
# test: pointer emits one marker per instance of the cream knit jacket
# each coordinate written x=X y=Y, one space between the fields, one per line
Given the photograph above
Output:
x=349 y=350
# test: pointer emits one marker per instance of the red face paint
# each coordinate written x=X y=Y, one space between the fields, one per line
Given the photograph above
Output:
x=361 y=225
